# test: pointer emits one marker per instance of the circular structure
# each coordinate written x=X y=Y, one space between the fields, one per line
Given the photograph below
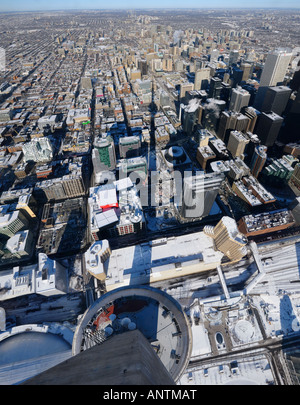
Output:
x=30 y=345
x=244 y=331
x=154 y=313
x=28 y=350
x=175 y=155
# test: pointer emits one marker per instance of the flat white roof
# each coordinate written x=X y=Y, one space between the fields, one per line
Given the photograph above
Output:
x=17 y=281
x=132 y=262
x=106 y=218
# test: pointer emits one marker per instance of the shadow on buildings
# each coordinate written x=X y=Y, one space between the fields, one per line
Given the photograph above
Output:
x=290 y=328
x=138 y=271
x=74 y=234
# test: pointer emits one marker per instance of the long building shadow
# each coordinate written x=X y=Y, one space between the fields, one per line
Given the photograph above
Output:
x=290 y=327
x=74 y=233
x=138 y=263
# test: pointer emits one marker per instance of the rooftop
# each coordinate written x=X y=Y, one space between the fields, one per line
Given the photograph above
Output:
x=161 y=259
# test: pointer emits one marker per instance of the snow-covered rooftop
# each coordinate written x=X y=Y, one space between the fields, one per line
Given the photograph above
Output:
x=162 y=258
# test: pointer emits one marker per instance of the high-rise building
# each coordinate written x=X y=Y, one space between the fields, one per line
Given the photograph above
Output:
x=247 y=70
x=236 y=76
x=11 y=223
x=96 y=257
x=229 y=121
x=239 y=99
x=142 y=66
x=228 y=239
x=215 y=88
x=107 y=154
x=276 y=99
x=211 y=113
x=199 y=194
x=226 y=91
x=214 y=55
x=190 y=115
x=233 y=57
x=254 y=141
x=268 y=127
x=21 y=244
x=184 y=87
x=51 y=277
x=164 y=98
x=258 y=160
x=275 y=67
x=167 y=64
x=292 y=120
x=237 y=143
x=136 y=164
x=295 y=82
x=204 y=154
x=202 y=77
x=129 y=146
x=68 y=186
x=252 y=114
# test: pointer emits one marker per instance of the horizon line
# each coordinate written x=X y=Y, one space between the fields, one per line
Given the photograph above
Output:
x=156 y=8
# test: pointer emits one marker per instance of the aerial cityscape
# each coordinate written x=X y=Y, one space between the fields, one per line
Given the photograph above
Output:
x=149 y=195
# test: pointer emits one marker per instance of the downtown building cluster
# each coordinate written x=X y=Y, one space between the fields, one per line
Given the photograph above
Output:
x=120 y=136
x=124 y=136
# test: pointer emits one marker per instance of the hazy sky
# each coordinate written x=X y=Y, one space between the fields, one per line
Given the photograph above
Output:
x=27 y=5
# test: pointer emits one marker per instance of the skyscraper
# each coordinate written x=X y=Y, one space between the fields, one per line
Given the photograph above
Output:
x=292 y=120
x=233 y=56
x=275 y=67
x=107 y=155
x=239 y=99
x=295 y=82
x=258 y=160
x=199 y=194
x=254 y=141
x=236 y=76
x=237 y=143
x=273 y=73
x=276 y=99
x=268 y=127
x=230 y=120
x=251 y=113
x=184 y=87
x=247 y=70
x=215 y=87
x=202 y=77
x=129 y=146
x=228 y=239
x=11 y=223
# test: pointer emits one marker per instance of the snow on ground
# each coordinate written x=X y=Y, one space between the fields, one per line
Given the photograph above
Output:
x=280 y=313
x=201 y=344
x=253 y=370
